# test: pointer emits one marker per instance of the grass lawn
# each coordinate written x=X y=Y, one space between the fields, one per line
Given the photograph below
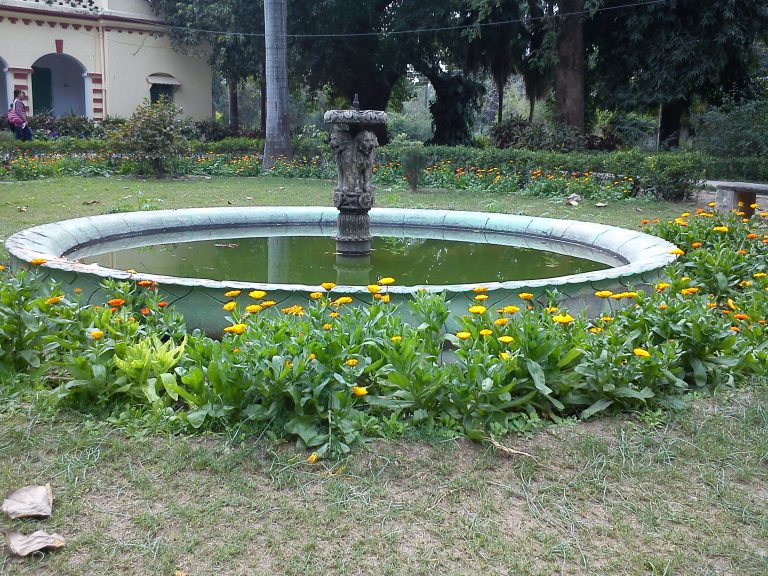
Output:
x=652 y=493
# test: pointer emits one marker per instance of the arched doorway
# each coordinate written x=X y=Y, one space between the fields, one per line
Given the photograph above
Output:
x=58 y=85
x=4 y=88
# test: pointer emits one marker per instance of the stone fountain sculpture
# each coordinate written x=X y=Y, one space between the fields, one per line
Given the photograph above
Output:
x=354 y=144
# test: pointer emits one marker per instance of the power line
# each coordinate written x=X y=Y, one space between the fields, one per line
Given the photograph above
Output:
x=419 y=30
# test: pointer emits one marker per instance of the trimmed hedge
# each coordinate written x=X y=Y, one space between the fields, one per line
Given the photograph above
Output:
x=667 y=175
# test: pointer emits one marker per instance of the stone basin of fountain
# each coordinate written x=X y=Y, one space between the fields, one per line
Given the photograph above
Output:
x=634 y=259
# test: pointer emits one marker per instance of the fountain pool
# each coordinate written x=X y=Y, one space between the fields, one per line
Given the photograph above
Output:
x=608 y=258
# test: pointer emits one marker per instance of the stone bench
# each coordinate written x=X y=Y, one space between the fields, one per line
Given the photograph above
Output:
x=737 y=195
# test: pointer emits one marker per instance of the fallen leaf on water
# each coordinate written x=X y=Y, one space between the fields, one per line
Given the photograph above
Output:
x=29 y=502
x=25 y=545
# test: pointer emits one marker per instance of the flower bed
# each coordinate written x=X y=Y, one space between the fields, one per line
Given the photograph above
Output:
x=332 y=375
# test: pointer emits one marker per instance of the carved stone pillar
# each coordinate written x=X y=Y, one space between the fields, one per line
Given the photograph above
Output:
x=354 y=145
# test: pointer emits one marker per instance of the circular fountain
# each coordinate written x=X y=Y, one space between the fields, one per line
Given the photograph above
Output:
x=82 y=252
x=634 y=258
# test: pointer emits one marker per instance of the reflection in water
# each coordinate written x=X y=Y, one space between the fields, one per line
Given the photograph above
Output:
x=312 y=260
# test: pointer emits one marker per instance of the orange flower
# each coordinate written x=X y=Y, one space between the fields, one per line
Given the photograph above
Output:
x=144 y=283
x=696 y=245
x=54 y=300
x=162 y=304
x=115 y=302
x=145 y=311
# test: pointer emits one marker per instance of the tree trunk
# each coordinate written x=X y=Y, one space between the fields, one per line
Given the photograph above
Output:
x=500 y=93
x=569 y=70
x=670 y=121
x=278 y=137
x=234 y=112
x=531 y=109
x=263 y=101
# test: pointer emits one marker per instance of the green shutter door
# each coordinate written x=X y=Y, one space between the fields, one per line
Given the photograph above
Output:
x=42 y=93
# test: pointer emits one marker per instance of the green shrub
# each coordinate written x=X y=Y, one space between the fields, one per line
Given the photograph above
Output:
x=154 y=134
x=413 y=162
x=734 y=130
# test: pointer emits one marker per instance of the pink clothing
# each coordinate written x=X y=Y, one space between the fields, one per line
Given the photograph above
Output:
x=20 y=109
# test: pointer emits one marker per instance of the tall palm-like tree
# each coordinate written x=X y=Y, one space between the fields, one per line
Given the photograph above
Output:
x=278 y=137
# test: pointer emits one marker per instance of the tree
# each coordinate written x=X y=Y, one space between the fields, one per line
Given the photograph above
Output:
x=667 y=54
x=569 y=70
x=237 y=54
x=278 y=137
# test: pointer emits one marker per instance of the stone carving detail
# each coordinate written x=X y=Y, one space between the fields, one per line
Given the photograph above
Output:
x=354 y=144
x=354 y=168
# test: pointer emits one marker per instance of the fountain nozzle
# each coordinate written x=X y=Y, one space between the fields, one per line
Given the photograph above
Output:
x=356 y=103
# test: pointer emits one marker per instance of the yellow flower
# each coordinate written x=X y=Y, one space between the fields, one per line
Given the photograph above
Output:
x=359 y=391
x=295 y=310
x=481 y=297
x=232 y=293
x=235 y=329
x=745 y=283
x=731 y=304
x=510 y=309
x=312 y=458
x=253 y=308
x=595 y=330
x=352 y=362
x=386 y=281
x=54 y=300
x=720 y=229
x=676 y=252
x=257 y=294
x=501 y=321
x=327 y=326
x=316 y=295
x=663 y=306
x=229 y=306
x=328 y=286
x=606 y=318
x=477 y=309
x=334 y=314
x=38 y=261
x=485 y=332
x=97 y=334
x=563 y=318
x=525 y=296
x=463 y=335
x=661 y=286
x=396 y=339
x=504 y=355
x=2 y=267
x=759 y=275
x=374 y=288
x=311 y=357
x=385 y=298
x=550 y=309
x=712 y=204
x=268 y=303
x=687 y=291
x=753 y=206
x=641 y=353
x=603 y=293
x=479 y=289
x=341 y=300
x=506 y=339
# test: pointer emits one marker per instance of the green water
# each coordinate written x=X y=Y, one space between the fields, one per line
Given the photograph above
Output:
x=311 y=260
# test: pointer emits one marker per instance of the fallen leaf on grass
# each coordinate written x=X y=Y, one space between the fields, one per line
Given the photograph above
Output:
x=91 y=202
x=573 y=202
x=601 y=205
x=21 y=208
x=180 y=573
x=232 y=245
x=21 y=545
x=29 y=502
